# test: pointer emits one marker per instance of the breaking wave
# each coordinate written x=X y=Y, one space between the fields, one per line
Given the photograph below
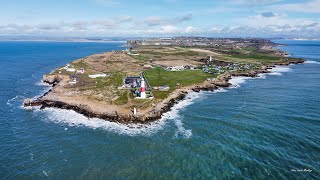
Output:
x=13 y=101
x=41 y=83
x=312 y=62
x=237 y=81
x=46 y=88
x=176 y=117
x=278 y=70
x=281 y=69
x=74 y=119
x=275 y=74
x=261 y=76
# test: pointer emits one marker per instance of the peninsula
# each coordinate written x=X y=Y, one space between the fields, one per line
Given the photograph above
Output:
x=141 y=83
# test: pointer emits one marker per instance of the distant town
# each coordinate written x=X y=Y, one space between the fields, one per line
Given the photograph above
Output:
x=202 y=42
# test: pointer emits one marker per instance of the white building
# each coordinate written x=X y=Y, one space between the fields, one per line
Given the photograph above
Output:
x=71 y=69
x=175 y=68
x=98 y=75
x=80 y=71
x=73 y=81
x=143 y=89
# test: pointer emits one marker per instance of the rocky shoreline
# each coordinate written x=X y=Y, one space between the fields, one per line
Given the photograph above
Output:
x=221 y=82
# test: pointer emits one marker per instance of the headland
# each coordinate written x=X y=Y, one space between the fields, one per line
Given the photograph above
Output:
x=141 y=83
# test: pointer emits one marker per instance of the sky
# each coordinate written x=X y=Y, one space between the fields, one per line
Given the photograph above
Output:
x=142 y=18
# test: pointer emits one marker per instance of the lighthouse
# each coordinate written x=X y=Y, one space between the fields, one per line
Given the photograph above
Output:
x=143 y=89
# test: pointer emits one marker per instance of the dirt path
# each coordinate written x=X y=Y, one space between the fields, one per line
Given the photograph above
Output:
x=129 y=99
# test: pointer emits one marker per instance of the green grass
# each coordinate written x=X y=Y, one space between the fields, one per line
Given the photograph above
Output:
x=100 y=83
x=257 y=56
x=123 y=98
x=79 y=65
x=173 y=53
x=160 y=77
x=115 y=79
x=140 y=57
x=161 y=94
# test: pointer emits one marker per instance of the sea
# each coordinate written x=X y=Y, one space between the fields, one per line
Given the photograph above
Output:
x=260 y=128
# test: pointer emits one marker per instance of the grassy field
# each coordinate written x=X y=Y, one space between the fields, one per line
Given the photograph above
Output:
x=177 y=52
x=161 y=94
x=80 y=64
x=249 y=55
x=123 y=98
x=241 y=55
x=251 y=58
x=140 y=57
x=256 y=56
x=160 y=77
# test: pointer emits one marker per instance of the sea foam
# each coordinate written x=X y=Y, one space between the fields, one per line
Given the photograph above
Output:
x=281 y=69
x=312 y=62
x=10 y=101
x=237 y=81
x=15 y=101
x=175 y=115
x=275 y=74
x=74 y=119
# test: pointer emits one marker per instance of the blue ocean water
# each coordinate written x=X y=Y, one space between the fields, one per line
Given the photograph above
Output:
x=261 y=128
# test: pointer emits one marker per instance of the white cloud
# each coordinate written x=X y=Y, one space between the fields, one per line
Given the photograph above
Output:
x=312 y=6
x=255 y=2
x=155 y=21
x=158 y=20
x=190 y=29
x=274 y=19
x=263 y=24
x=109 y=3
x=168 y=29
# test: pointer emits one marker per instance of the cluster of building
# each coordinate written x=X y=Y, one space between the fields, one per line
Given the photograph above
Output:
x=74 y=78
x=131 y=82
x=181 y=68
x=202 y=41
x=131 y=52
x=217 y=69
x=70 y=68
x=139 y=85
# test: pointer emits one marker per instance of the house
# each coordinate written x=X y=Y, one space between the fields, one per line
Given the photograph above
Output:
x=68 y=68
x=80 y=71
x=71 y=69
x=99 y=75
x=73 y=81
x=175 y=68
x=132 y=82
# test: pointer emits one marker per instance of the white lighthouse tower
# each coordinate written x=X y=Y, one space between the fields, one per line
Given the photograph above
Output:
x=143 y=89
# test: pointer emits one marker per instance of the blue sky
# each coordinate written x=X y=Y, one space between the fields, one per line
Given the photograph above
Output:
x=299 y=18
